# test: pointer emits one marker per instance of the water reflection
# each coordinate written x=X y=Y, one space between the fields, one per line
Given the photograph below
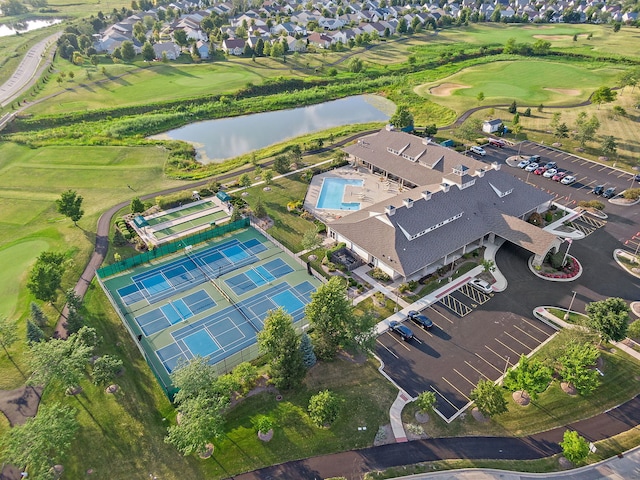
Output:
x=26 y=26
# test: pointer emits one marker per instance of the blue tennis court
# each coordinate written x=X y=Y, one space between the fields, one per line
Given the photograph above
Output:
x=258 y=276
x=227 y=331
x=164 y=281
x=174 y=311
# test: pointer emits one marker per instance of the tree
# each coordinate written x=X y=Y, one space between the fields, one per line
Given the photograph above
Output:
x=306 y=350
x=148 y=53
x=73 y=299
x=324 y=408
x=259 y=210
x=402 y=26
x=430 y=130
x=513 y=108
x=402 y=118
x=281 y=164
x=488 y=398
x=634 y=329
x=426 y=401
x=259 y=47
x=527 y=112
x=13 y=8
x=609 y=145
x=8 y=334
x=127 y=50
x=37 y=315
x=516 y=119
x=603 y=95
x=561 y=131
x=555 y=120
x=45 y=277
x=469 y=130
x=137 y=206
x=245 y=376
x=356 y=65
x=480 y=97
x=74 y=322
x=333 y=322
x=70 y=205
x=63 y=361
x=267 y=176
x=616 y=27
x=34 y=333
x=610 y=318
x=541 y=47
x=194 y=378
x=105 y=369
x=201 y=421
x=311 y=239
x=488 y=266
x=574 y=447
x=244 y=180
x=279 y=340
x=577 y=362
x=529 y=375
x=585 y=129
x=42 y=441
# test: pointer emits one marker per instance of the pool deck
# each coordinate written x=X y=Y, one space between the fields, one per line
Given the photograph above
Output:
x=374 y=190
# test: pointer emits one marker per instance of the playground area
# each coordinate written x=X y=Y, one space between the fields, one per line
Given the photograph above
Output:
x=209 y=300
x=170 y=225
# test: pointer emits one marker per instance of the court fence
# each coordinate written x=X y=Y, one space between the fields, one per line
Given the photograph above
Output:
x=319 y=277
x=172 y=247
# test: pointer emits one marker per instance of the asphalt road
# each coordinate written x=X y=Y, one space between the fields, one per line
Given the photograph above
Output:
x=25 y=74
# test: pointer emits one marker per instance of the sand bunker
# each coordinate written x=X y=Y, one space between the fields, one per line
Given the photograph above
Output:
x=446 y=89
x=571 y=92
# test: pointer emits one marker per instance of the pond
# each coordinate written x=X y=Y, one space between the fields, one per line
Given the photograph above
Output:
x=219 y=140
x=26 y=26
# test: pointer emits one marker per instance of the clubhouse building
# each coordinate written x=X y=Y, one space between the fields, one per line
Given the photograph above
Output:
x=446 y=205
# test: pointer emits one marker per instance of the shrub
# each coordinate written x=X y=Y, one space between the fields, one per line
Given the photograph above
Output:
x=412 y=285
x=173 y=200
x=403 y=288
x=548 y=217
x=535 y=219
x=592 y=204
x=426 y=401
x=263 y=423
x=556 y=259
x=324 y=408
x=379 y=274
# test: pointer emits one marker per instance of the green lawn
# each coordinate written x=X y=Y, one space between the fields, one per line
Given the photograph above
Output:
x=528 y=82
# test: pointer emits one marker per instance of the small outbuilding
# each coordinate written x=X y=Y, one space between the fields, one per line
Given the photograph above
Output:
x=491 y=126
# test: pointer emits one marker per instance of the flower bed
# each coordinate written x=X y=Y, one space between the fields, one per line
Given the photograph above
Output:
x=571 y=269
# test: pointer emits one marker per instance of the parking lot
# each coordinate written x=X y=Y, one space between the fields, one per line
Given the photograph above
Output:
x=473 y=338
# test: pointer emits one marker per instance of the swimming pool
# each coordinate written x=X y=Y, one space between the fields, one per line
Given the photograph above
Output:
x=332 y=193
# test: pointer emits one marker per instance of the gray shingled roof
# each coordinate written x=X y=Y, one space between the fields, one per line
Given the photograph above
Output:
x=373 y=150
x=484 y=211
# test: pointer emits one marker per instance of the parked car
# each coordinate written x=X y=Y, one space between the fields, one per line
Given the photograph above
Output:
x=477 y=150
x=609 y=192
x=481 y=285
x=534 y=158
x=497 y=142
x=560 y=174
x=524 y=163
x=568 y=180
x=420 y=320
x=550 y=173
x=598 y=190
x=540 y=170
x=402 y=330
x=551 y=165
x=531 y=167
x=636 y=178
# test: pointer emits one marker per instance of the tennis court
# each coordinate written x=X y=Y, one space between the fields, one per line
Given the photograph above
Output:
x=209 y=300
x=228 y=331
x=189 y=224
x=178 y=213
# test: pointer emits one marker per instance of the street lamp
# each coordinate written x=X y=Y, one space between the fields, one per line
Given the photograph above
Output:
x=566 y=315
x=564 y=260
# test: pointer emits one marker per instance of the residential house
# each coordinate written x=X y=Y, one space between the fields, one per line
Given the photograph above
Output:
x=169 y=49
x=233 y=46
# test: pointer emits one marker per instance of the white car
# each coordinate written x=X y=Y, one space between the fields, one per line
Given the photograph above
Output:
x=531 y=167
x=481 y=285
x=478 y=151
x=568 y=180
x=524 y=163
x=550 y=173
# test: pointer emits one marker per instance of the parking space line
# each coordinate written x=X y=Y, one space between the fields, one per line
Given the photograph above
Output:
x=417 y=340
x=442 y=315
x=518 y=340
x=533 y=325
x=470 y=382
x=387 y=348
x=478 y=371
x=508 y=347
x=593 y=165
x=456 y=388
x=603 y=168
x=494 y=352
x=401 y=342
x=528 y=334
x=488 y=363
x=445 y=398
x=614 y=171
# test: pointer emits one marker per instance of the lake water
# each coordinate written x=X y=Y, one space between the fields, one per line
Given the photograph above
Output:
x=26 y=26
x=219 y=140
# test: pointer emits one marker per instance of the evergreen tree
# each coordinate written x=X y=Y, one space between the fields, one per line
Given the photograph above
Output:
x=75 y=321
x=37 y=315
x=259 y=210
x=137 y=206
x=513 y=108
x=34 y=333
x=306 y=348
